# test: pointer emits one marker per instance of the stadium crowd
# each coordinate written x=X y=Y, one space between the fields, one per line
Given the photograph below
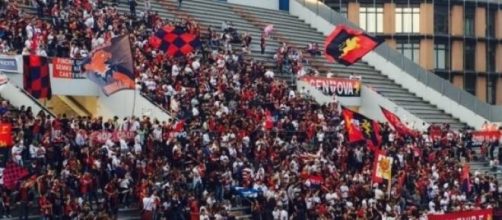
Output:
x=238 y=136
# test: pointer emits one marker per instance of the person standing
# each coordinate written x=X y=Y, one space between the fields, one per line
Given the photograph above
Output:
x=262 y=44
x=148 y=207
x=132 y=7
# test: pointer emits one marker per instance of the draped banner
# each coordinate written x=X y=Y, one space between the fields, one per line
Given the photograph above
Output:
x=339 y=86
x=102 y=136
x=480 y=136
x=486 y=214
x=67 y=68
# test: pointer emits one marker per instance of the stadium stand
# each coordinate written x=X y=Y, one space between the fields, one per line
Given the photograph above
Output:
x=243 y=145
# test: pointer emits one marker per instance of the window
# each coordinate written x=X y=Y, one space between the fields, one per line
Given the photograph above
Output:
x=410 y=49
x=491 y=89
x=469 y=21
x=443 y=74
x=442 y=56
x=441 y=19
x=490 y=22
x=371 y=18
x=470 y=83
x=469 y=55
x=490 y=56
x=407 y=19
x=338 y=6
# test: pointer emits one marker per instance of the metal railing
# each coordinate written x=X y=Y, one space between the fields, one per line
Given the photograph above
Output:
x=492 y=113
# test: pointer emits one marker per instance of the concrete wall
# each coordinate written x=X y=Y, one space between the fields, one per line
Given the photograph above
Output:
x=17 y=98
x=370 y=107
x=480 y=61
x=268 y=4
x=126 y=103
x=395 y=73
x=480 y=22
x=73 y=87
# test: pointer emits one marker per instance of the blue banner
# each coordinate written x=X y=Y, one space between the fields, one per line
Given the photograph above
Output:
x=8 y=63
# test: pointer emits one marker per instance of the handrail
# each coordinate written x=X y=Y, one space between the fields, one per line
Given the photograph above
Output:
x=45 y=109
x=492 y=113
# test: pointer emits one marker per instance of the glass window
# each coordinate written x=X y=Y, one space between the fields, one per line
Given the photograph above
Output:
x=469 y=21
x=469 y=55
x=490 y=22
x=443 y=74
x=371 y=18
x=442 y=56
x=407 y=19
x=338 y=6
x=491 y=88
x=490 y=56
x=470 y=83
x=441 y=19
x=410 y=49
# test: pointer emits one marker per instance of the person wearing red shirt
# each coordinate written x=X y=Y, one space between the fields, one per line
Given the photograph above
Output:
x=86 y=188
x=45 y=207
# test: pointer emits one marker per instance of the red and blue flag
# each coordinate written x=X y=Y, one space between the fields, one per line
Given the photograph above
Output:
x=37 y=80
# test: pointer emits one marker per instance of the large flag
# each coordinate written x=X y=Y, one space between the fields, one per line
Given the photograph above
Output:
x=396 y=123
x=12 y=174
x=111 y=66
x=37 y=80
x=175 y=41
x=383 y=167
x=5 y=135
x=347 y=46
x=361 y=128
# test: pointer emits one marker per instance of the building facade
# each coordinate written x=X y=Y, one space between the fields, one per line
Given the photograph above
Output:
x=459 y=40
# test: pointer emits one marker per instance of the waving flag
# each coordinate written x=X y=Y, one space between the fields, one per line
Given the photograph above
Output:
x=347 y=46
x=383 y=168
x=111 y=66
x=396 y=123
x=36 y=76
x=361 y=128
x=175 y=41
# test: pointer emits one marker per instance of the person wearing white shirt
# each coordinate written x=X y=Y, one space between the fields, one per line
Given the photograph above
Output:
x=148 y=207
x=16 y=152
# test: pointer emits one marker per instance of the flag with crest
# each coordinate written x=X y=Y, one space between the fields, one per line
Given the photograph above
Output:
x=346 y=45
x=360 y=128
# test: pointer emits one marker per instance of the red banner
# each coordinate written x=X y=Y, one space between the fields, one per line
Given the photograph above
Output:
x=5 y=135
x=480 y=136
x=486 y=214
x=338 y=86
x=67 y=68
x=103 y=136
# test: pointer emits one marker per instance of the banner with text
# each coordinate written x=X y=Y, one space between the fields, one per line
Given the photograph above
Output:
x=102 y=136
x=67 y=68
x=486 y=214
x=10 y=63
x=481 y=136
x=343 y=87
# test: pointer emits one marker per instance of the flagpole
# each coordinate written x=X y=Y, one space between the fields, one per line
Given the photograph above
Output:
x=389 y=186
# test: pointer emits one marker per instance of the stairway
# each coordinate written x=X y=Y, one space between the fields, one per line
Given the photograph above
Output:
x=67 y=105
x=296 y=33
